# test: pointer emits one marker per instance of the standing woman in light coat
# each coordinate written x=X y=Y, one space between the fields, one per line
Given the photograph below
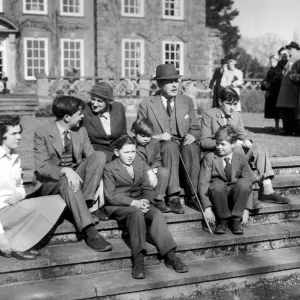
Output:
x=23 y=222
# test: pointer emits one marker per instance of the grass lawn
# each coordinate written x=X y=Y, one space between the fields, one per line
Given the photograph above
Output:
x=260 y=131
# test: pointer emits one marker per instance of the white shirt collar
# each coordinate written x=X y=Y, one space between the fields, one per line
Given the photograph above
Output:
x=61 y=129
x=13 y=156
x=229 y=156
x=224 y=116
x=165 y=100
x=106 y=115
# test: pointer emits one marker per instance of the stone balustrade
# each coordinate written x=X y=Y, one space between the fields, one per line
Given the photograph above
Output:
x=126 y=89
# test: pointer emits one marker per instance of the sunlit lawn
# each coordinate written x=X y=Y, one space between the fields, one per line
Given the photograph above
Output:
x=259 y=132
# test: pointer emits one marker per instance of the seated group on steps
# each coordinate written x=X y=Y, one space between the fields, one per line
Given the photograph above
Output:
x=143 y=174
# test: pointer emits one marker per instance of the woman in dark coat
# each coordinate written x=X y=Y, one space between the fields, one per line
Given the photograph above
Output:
x=104 y=119
x=271 y=84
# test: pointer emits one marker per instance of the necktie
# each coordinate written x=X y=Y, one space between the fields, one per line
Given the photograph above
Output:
x=169 y=107
x=67 y=141
x=227 y=168
x=130 y=171
x=228 y=120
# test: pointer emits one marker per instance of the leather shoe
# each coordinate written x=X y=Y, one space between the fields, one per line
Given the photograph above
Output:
x=237 y=226
x=275 y=198
x=138 y=270
x=34 y=252
x=100 y=215
x=95 y=219
x=161 y=205
x=26 y=255
x=221 y=226
x=177 y=265
x=175 y=205
x=98 y=243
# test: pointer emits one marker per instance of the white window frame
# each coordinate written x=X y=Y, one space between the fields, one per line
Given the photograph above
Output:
x=180 y=17
x=1 y=5
x=181 y=61
x=80 y=14
x=34 y=12
x=142 y=58
x=135 y=15
x=25 y=56
x=81 y=41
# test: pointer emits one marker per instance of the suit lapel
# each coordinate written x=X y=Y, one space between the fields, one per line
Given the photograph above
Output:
x=179 y=110
x=114 y=116
x=95 y=122
x=138 y=173
x=220 y=120
x=158 y=110
x=56 y=139
x=122 y=171
x=220 y=167
x=235 y=164
x=75 y=143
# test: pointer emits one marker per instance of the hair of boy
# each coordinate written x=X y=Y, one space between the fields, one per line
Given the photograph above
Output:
x=143 y=127
x=124 y=140
x=226 y=133
x=5 y=121
x=66 y=105
x=228 y=94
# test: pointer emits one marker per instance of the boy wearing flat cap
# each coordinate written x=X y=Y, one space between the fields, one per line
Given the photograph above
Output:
x=175 y=126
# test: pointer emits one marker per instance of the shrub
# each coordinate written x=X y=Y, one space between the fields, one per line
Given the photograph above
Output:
x=44 y=111
x=252 y=101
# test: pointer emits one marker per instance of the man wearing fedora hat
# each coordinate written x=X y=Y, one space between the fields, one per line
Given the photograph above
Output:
x=287 y=99
x=175 y=126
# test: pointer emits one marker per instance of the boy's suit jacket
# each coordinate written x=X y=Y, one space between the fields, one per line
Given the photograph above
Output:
x=152 y=108
x=120 y=189
x=211 y=121
x=48 y=148
x=150 y=153
x=212 y=168
x=96 y=132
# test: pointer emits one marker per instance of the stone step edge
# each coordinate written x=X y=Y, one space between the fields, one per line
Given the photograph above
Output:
x=190 y=215
x=120 y=282
x=80 y=253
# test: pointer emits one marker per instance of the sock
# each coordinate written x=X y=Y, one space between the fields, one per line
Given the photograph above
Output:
x=267 y=187
x=171 y=255
x=91 y=231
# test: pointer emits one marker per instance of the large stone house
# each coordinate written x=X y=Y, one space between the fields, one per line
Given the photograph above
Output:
x=134 y=36
x=103 y=38
x=45 y=37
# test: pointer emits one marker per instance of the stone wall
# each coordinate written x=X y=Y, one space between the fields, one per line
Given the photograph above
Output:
x=54 y=27
x=112 y=28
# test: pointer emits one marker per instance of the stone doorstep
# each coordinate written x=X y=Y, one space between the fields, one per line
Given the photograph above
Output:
x=189 y=216
x=158 y=277
x=80 y=253
x=277 y=162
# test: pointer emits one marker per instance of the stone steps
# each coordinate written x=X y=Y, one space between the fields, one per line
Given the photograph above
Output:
x=78 y=259
x=18 y=104
x=68 y=269
x=159 y=278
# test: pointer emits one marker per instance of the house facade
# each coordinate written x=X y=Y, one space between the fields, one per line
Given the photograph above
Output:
x=45 y=38
x=134 y=36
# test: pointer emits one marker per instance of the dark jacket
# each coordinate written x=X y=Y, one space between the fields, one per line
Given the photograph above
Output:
x=150 y=154
x=97 y=135
x=120 y=189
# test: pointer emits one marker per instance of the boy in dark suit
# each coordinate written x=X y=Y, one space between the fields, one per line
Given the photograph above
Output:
x=256 y=154
x=129 y=197
x=148 y=149
x=225 y=183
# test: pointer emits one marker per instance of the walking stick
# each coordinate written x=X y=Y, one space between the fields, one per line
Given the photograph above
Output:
x=193 y=188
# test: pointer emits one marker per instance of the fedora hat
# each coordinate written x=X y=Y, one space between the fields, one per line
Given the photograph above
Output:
x=103 y=90
x=293 y=45
x=167 y=71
